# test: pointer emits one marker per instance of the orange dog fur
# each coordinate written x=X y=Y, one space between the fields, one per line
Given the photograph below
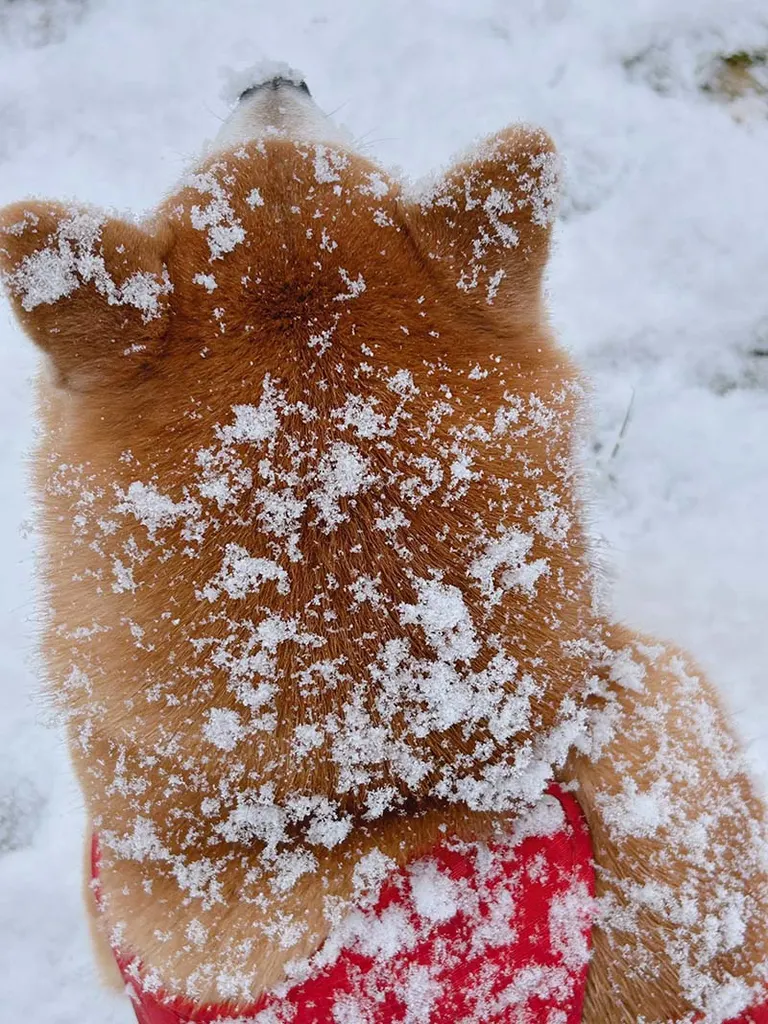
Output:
x=299 y=282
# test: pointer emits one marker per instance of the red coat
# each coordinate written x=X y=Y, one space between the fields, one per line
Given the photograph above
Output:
x=461 y=936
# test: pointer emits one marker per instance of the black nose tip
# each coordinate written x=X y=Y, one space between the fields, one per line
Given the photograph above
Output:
x=276 y=83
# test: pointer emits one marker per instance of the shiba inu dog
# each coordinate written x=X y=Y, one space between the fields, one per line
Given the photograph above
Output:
x=357 y=740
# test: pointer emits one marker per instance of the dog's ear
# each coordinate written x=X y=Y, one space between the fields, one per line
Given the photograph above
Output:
x=91 y=291
x=488 y=220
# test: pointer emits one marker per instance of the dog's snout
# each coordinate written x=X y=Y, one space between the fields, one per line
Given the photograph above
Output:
x=274 y=84
x=275 y=100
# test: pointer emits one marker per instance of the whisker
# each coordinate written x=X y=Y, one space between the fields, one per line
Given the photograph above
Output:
x=214 y=114
x=332 y=113
x=375 y=142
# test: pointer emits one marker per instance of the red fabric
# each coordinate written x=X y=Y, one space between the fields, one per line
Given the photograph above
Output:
x=533 y=974
x=757 y=1016
x=513 y=947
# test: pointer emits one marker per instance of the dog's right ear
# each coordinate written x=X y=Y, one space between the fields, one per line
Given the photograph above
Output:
x=487 y=221
x=90 y=290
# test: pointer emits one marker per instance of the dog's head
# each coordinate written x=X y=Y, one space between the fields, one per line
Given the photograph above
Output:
x=311 y=543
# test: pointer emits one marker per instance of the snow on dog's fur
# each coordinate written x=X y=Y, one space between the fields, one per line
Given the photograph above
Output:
x=318 y=579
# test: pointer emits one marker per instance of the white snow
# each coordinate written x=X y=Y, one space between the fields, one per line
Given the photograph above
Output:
x=435 y=896
x=216 y=217
x=656 y=285
x=237 y=81
x=223 y=728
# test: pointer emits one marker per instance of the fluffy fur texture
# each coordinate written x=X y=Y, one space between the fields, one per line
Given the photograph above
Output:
x=319 y=583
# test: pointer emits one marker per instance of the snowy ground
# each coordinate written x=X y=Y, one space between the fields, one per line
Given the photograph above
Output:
x=658 y=286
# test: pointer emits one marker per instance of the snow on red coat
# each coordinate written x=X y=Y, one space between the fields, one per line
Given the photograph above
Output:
x=468 y=934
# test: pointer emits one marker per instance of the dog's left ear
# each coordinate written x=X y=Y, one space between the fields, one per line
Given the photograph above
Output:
x=487 y=222
x=90 y=290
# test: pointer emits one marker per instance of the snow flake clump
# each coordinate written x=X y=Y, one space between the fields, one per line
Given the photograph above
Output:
x=328 y=163
x=74 y=257
x=241 y=574
x=207 y=281
x=355 y=287
x=223 y=728
x=508 y=552
x=435 y=895
x=217 y=217
x=445 y=619
x=343 y=472
x=153 y=509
